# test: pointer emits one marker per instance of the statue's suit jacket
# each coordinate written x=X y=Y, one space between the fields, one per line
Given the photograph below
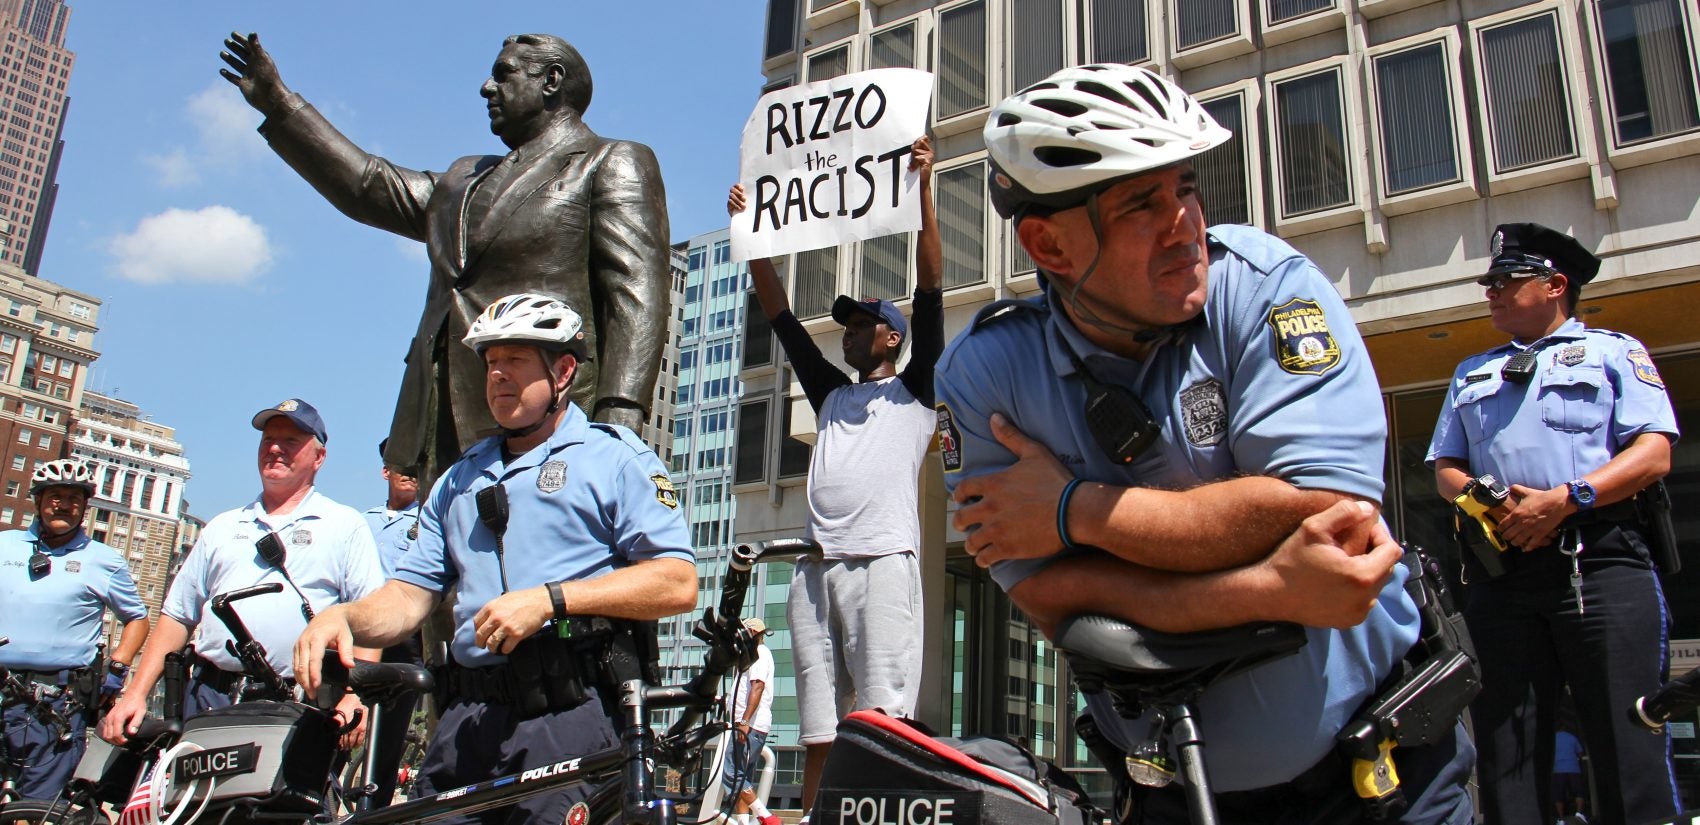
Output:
x=579 y=217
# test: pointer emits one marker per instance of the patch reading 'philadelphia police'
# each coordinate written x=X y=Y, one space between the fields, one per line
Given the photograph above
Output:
x=552 y=476
x=664 y=491
x=413 y=532
x=300 y=537
x=1303 y=344
x=1571 y=356
x=1644 y=368
x=1204 y=413
x=950 y=440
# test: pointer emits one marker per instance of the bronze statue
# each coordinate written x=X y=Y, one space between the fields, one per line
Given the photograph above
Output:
x=565 y=212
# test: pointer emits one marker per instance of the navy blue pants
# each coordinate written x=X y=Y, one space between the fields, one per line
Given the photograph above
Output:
x=1432 y=776
x=47 y=761
x=476 y=742
x=1532 y=642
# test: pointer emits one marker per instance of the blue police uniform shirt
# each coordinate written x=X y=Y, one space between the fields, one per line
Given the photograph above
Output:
x=1593 y=392
x=1273 y=380
x=55 y=620
x=394 y=531
x=591 y=499
x=328 y=552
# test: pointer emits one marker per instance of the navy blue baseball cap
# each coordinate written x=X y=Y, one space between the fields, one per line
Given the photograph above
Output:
x=1529 y=249
x=298 y=411
x=880 y=309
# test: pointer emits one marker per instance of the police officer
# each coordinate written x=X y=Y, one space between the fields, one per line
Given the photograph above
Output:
x=593 y=530
x=395 y=526
x=395 y=523
x=327 y=557
x=1232 y=405
x=1577 y=422
x=55 y=582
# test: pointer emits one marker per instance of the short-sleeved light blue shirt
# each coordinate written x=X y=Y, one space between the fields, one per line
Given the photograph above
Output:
x=328 y=552
x=54 y=621
x=1593 y=392
x=394 y=531
x=591 y=499
x=1272 y=379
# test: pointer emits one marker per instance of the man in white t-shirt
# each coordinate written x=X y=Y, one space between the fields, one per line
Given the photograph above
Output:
x=855 y=613
x=752 y=718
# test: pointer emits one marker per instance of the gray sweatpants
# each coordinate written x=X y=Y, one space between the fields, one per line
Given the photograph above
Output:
x=855 y=639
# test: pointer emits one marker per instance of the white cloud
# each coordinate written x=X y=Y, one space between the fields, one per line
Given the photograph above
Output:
x=215 y=244
x=174 y=169
x=225 y=137
x=225 y=121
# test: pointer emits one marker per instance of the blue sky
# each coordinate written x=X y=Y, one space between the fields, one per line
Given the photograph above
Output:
x=229 y=285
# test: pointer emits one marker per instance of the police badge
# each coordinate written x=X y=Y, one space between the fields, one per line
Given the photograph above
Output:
x=552 y=476
x=1497 y=245
x=413 y=532
x=1204 y=413
x=300 y=537
x=1571 y=356
x=73 y=566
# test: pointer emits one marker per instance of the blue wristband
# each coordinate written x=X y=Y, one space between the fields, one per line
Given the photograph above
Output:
x=1062 y=513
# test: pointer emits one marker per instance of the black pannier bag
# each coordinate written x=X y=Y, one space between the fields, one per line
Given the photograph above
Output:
x=277 y=754
x=111 y=770
x=885 y=771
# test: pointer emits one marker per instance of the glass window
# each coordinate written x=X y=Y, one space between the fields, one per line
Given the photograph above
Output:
x=24 y=436
x=885 y=267
x=961 y=193
x=1311 y=134
x=693 y=293
x=8 y=342
x=17 y=462
x=817 y=282
x=12 y=488
x=829 y=64
x=1413 y=93
x=1222 y=182
x=1118 y=31
x=1198 y=22
x=698 y=258
x=723 y=252
x=758 y=334
x=962 y=59
x=1036 y=47
x=750 y=453
x=1280 y=11
x=6 y=515
x=1649 y=68
x=781 y=27
x=893 y=48
x=1528 y=107
x=67 y=368
x=45 y=441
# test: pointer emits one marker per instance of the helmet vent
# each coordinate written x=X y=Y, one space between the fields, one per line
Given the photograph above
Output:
x=1007 y=119
x=1066 y=108
x=1156 y=103
x=1066 y=156
x=1104 y=92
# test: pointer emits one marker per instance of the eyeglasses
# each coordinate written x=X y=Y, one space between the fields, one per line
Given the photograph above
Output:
x=1498 y=283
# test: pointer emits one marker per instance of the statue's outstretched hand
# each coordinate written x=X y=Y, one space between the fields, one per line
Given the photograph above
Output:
x=254 y=73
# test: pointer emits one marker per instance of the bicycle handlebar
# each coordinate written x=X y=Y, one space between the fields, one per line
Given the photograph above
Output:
x=1678 y=696
x=242 y=643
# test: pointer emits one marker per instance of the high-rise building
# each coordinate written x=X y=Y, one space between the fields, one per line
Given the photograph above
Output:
x=34 y=68
x=1383 y=138
x=46 y=347
x=139 y=474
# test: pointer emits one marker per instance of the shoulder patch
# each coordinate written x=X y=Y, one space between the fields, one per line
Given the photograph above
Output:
x=950 y=440
x=1303 y=344
x=1644 y=369
x=664 y=491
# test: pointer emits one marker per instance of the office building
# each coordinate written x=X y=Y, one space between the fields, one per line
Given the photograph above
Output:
x=34 y=68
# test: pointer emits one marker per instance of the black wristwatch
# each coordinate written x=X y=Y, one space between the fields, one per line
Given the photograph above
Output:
x=1581 y=494
x=118 y=668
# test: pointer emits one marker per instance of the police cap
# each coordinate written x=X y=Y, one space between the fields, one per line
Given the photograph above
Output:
x=1529 y=248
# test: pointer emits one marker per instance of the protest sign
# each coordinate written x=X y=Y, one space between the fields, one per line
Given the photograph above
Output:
x=828 y=162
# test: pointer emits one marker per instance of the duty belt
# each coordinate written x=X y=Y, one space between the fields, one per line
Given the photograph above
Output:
x=542 y=674
x=210 y=674
x=1622 y=511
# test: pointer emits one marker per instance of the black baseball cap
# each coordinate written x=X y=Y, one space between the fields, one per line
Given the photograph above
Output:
x=298 y=411
x=882 y=310
x=1531 y=249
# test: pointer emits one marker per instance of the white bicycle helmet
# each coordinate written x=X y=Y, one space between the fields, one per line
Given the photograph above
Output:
x=1086 y=128
x=62 y=472
x=528 y=318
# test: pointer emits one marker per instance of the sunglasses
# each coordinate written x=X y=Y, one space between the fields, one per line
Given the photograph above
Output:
x=1498 y=283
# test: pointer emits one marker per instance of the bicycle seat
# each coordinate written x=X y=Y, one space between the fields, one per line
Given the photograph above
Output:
x=151 y=731
x=1107 y=653
x=373 y=681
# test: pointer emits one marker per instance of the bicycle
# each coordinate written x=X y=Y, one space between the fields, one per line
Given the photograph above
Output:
x=633 y=799
x=41 y=700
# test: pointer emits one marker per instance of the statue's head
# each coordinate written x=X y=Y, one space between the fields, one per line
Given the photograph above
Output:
x=534 y=78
